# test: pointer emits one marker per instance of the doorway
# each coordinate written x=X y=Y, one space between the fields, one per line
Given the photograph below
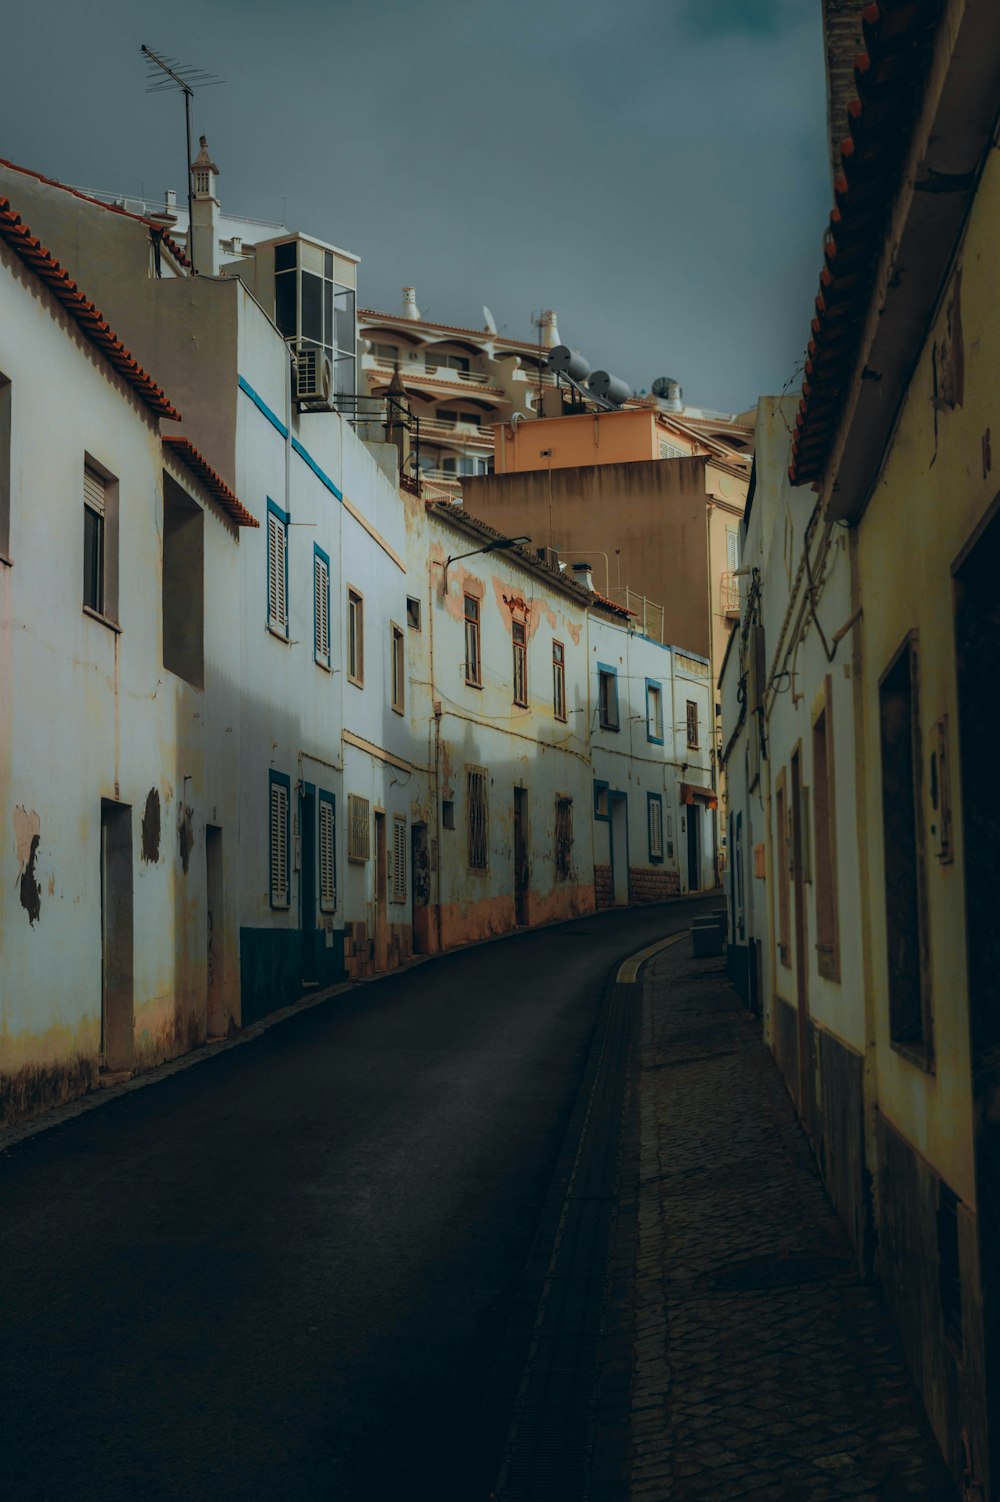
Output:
x=618 y=816
x=693 y=818
x=521 y=865
x=307 y=882
x=977 y=647
x=117 y=998
x=420 y=885
x=381 y=895
x=215 y=1019
x=801 y=959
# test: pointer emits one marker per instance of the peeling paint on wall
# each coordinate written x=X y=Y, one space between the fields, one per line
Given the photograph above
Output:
x=27 y=834
x=185 y=832
x=151 y=828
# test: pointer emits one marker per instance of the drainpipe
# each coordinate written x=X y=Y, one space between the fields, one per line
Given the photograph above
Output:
x=711 y=694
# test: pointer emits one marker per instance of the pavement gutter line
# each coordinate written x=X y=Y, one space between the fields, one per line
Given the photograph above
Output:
x=628 y=972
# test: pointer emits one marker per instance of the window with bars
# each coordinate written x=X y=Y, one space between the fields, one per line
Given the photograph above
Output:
x=280 y=794
x=473 y=660
x=692 y=725
x=327 y=853
x=321 y=607
x=398 y=858
x=398 y=649
x=359 y=838
x=654 y=814
x=654 y=712
x=478 y=817
x=277 y=569
x=559 y=680
x=607 y=697
x=564 y=838
x=520 y=640
x=355 y=636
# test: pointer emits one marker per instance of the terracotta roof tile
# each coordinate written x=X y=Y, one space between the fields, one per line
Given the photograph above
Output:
x=216 y=486
x=890 y=77
x=90 y=319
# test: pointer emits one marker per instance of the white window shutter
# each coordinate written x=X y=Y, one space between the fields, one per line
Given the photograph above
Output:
x=327 y=869
x=732 y=549
x=277 y=542
x=322 y=587
x=279 y=845
x=93 y=490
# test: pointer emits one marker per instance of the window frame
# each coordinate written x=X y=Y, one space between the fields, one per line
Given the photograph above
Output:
x=279 y=782
x=783 y=856
x=823 y=800
x=693 y=743
x=277 y=625
x=606 y=672
x=519 y=646
x=6 y=463
x=321 y=609
x=107 y=610
x=654 y=692
x=602 y=791
x=655 y=801
x=355 y=636
x=397 y=667
x=475 y=622
x=327 y=903
x=413 y=613
x=559 y=681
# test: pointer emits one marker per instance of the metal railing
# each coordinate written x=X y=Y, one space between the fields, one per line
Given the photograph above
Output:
x=648 y=616
x=729 y=594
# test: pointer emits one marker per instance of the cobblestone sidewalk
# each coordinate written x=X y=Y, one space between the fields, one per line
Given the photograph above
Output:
x=763 y=1368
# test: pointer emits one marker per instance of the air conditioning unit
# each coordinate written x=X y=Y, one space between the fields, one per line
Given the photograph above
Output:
x=313 y=379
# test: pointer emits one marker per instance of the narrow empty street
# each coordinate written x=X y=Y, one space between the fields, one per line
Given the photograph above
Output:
x=286 y=1272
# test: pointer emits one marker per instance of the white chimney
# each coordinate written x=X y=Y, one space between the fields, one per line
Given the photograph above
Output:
x=203 y=238
x=549 y=331
x=170 y=198
x=410 y=309
x=584 y=574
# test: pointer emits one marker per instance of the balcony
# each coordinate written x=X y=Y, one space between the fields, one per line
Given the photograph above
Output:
x=729 y=596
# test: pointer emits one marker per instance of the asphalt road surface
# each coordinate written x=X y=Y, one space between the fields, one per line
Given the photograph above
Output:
x=283 y=1273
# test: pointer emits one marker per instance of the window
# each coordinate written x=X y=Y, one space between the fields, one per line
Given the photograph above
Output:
x=358 y=828
x=398 y=648
x=600 y=800
x=607 y=697
x=654 y=815
x=277 y=569
x=355 y=638
x=654 y=712
x=321 y=607
x=398 y=858
x=692 y=725
x=280 y=792
x=825 y=838
x=5 y=464
x=327 y=853
x=782 y=856
x=183 y=584
x=387 y=352
x=520 y=637
x=313 y=310
x=559 y=680
x=450 y=416
x=413 y=613
x=435 y=360
x=478 y=815
x=448 y=813
x=100 y=542
x=564 y=838
x=473 y=663
x=902 y=826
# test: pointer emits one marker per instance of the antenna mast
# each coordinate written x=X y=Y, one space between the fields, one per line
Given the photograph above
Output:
x=162 y=75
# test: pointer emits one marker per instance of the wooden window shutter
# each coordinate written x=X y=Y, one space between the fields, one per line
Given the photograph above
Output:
x=327 y=865
x=398 y=858
x=279 y=845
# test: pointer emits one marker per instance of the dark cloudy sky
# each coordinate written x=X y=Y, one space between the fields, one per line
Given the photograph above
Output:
x=655 y=170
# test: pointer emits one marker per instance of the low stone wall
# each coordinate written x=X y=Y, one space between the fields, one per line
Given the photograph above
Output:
x=652 y=883
x=604 y=886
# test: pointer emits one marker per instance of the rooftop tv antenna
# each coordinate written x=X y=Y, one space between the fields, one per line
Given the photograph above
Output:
x=162 y=75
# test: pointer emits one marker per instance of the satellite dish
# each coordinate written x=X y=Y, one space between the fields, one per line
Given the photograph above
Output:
x=489 y=322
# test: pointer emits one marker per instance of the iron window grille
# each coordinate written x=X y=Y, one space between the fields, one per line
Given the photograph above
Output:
x=564 y=838
x=478 y=818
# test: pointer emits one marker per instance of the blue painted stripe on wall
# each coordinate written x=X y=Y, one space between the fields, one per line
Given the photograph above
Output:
x=262 y=406
x=302 y=452
x=305 y=454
